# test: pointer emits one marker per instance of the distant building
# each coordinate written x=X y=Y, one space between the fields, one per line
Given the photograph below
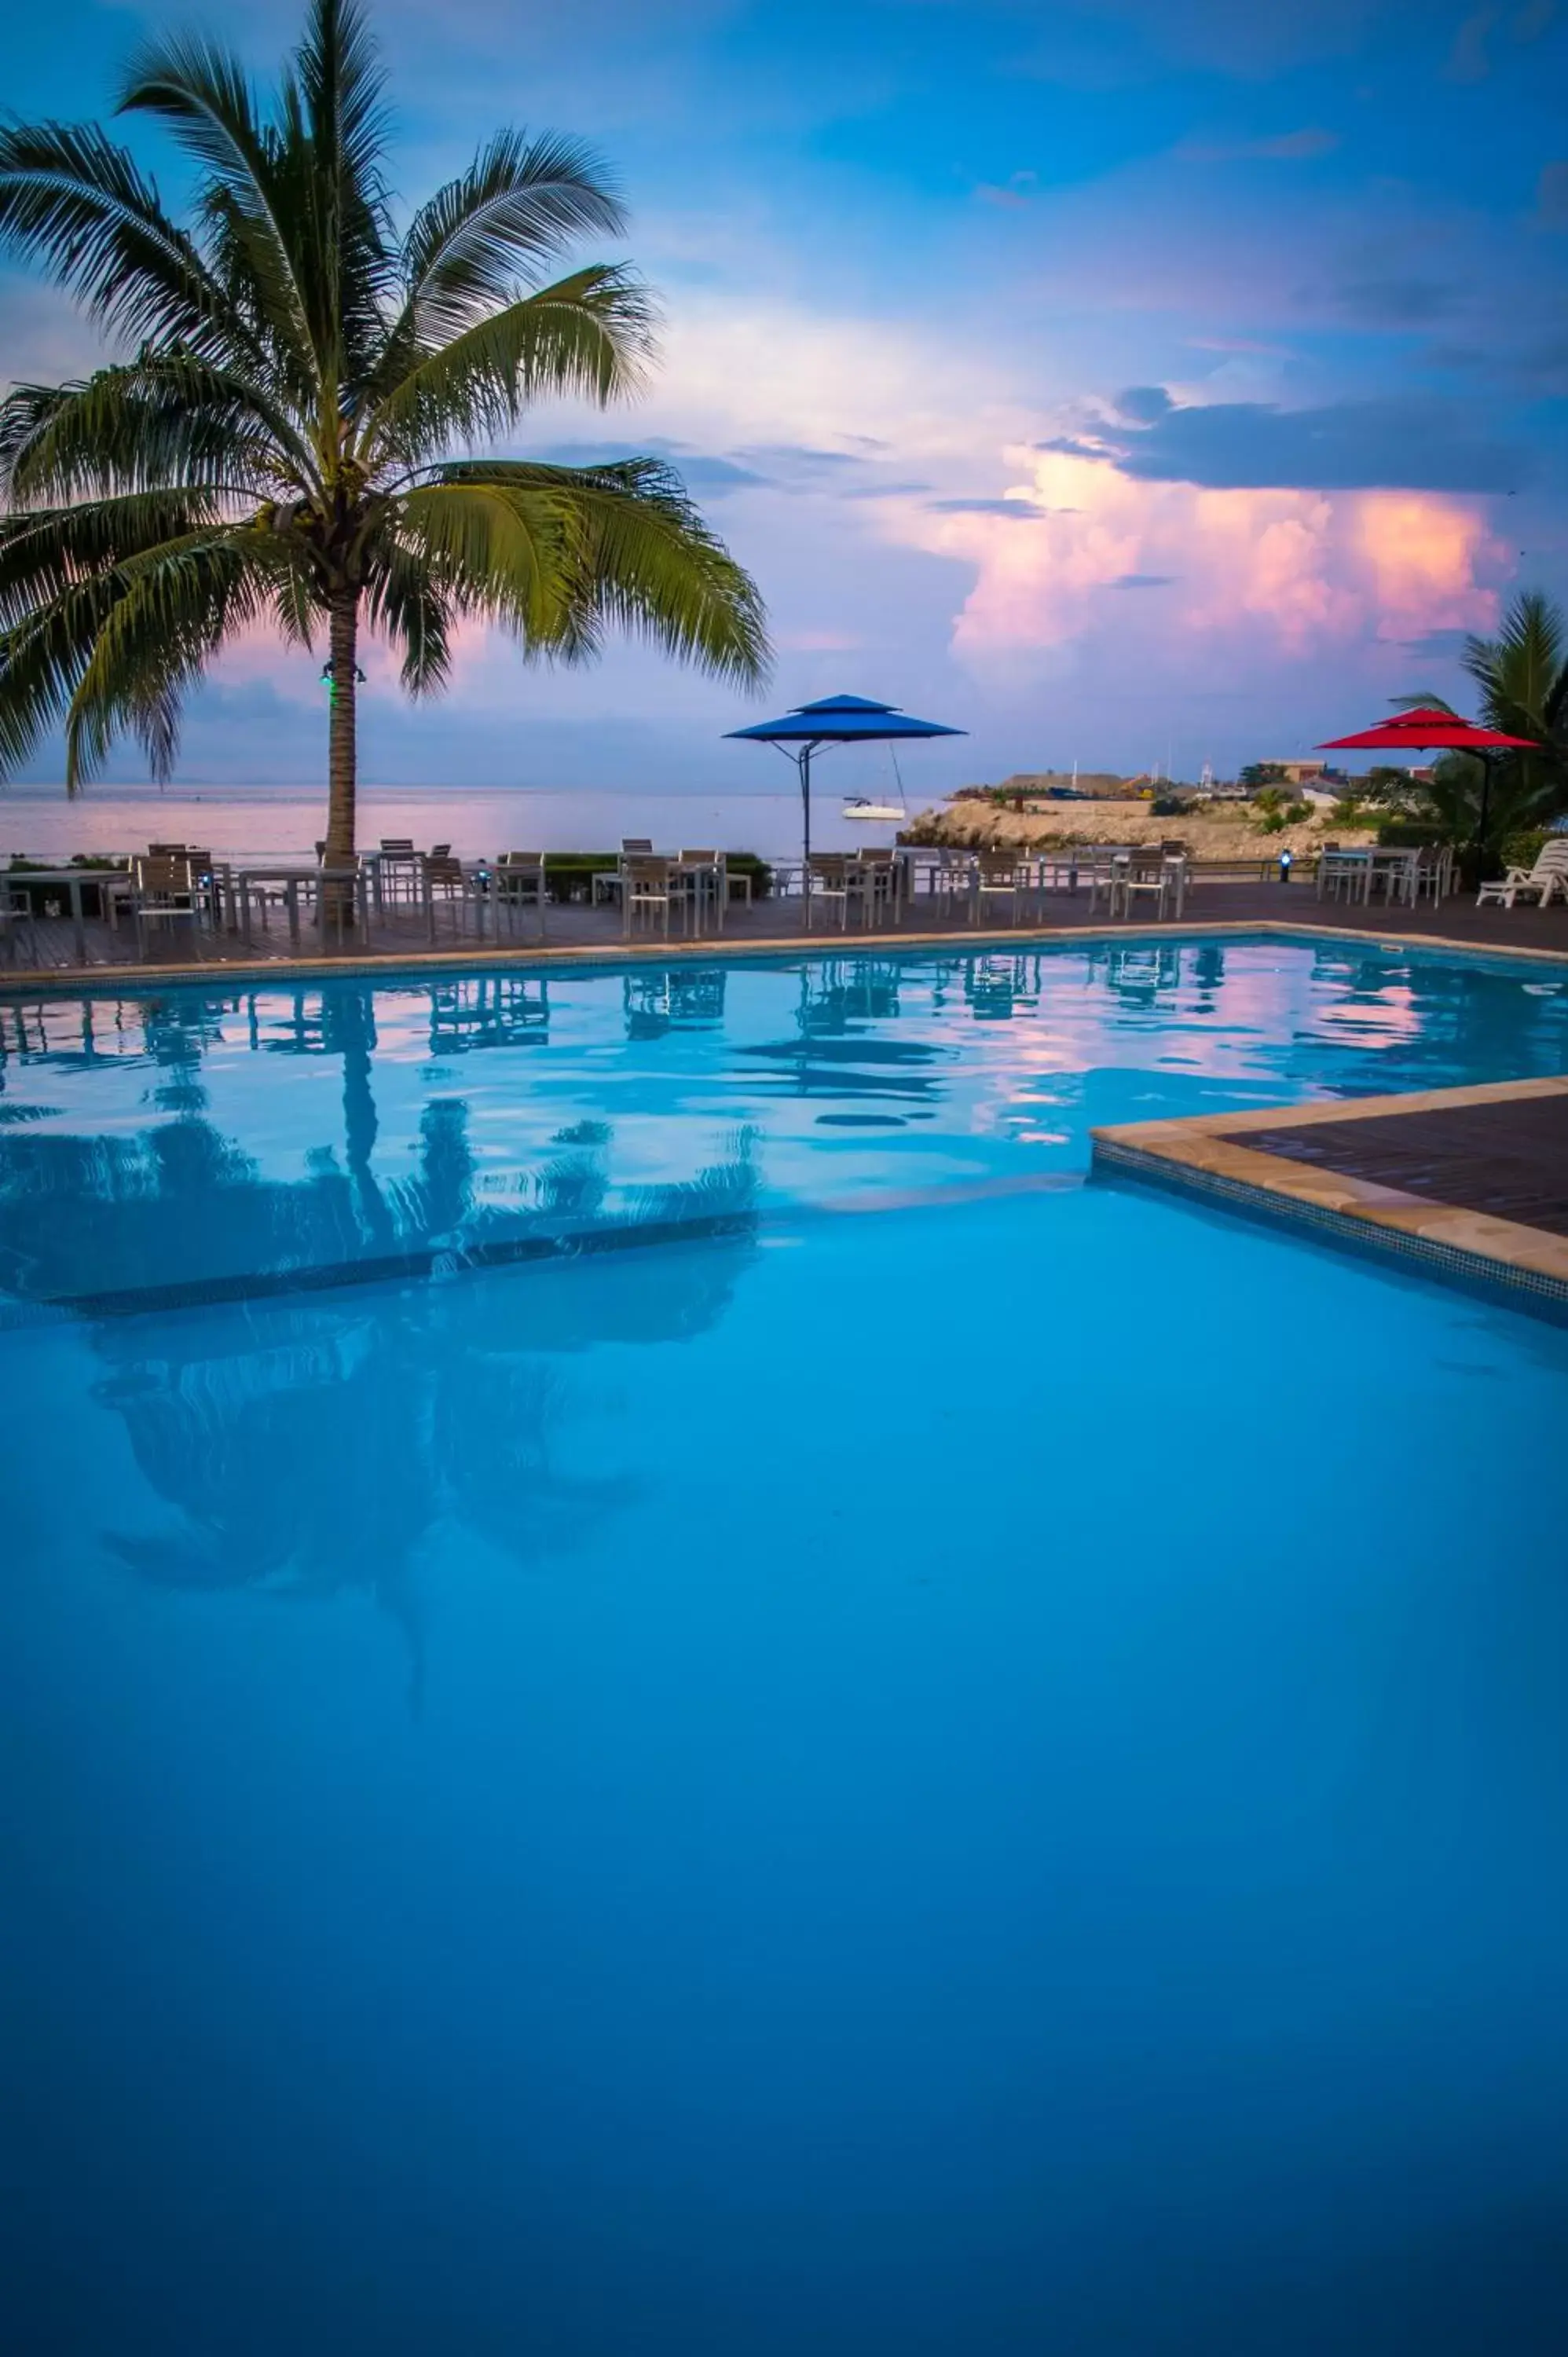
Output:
x=1298 y=773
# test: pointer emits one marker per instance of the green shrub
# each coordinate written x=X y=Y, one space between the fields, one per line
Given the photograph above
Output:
x=1523 y=849
x=1408 y=834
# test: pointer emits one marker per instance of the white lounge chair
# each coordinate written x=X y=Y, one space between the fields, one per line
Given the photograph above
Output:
x=1549 y=875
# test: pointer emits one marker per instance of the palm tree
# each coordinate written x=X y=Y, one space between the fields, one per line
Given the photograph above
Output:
x=1522 y=674
x=275 y=443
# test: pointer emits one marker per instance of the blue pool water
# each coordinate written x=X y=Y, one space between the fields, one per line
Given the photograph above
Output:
x=893 y=1751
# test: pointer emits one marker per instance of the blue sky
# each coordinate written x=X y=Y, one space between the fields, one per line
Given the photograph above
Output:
x=1121 y=382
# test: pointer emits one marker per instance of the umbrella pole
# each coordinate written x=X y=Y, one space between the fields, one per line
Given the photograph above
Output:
x=806 y=828
x=1481 y=821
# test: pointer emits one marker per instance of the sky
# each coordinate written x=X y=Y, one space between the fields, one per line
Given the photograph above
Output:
x=1139 y=383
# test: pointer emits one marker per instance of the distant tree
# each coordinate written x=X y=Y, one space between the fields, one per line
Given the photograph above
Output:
x=1391 y=786
x=1522 y=674
x=1262 y=773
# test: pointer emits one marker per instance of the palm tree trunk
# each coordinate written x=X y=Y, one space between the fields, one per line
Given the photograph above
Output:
x=344 y=630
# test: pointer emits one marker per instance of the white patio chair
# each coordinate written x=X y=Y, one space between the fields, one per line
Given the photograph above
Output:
x=1396 y=872
x=951 y=883
x=828 y=883
x=649 y=888
x=1000 y=879
x=397 y=870
x=164 y=890
x=706 y=888
x=1102 y=870
x=610 y=883
x=1435 y=871
x=878 y=878
x=446 y=884
x=1145 y=874
x=1549 y=875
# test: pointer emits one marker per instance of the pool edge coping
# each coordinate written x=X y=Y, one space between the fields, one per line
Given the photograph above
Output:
x=480 y=957
x=1205 y=1157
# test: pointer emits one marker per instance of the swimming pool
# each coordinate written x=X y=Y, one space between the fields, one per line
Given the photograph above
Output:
x=873 y=1747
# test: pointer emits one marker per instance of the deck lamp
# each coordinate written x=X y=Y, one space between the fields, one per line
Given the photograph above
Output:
x=329 y=673
x=1285 y=858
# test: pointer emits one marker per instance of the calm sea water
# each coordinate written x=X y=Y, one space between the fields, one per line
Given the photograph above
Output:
x=959 y=1761
x=266 y=822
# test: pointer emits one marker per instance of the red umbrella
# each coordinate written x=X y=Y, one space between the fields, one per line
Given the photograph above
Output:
x=1428 y=729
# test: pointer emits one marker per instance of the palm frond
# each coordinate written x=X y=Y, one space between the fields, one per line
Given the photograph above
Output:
x=493 y=552
x=203 y=95
x=520 y=201
x=42 y=660
x=618 y=544
x=588 y=335
x=295 y=608
x=74 y=203
x=175 y=608
x=162 y=419
x=45 y=552
x=407 y=606
x=1517 y=671
x=354 y=269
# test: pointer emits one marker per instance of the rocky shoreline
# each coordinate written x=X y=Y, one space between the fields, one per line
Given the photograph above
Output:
x=1217 y=831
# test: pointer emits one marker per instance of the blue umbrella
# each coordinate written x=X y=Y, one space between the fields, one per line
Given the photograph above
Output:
x=836 y=720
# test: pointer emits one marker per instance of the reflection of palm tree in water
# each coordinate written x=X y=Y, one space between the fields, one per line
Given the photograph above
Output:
x=311 y=1444
x=349 y=1030
x=176 y=1032
x=311 y=1448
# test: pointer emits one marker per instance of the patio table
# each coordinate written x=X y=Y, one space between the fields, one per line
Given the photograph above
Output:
x=946 y=872
x=397 y=874
x=108 y=881
x=239 y=882
x=1363 y=863
x=1171 y=869
x=1397 y=868
x=1355 y=867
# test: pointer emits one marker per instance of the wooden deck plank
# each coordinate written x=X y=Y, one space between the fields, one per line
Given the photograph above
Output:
x=1509 y=1158
x=1471 y=1182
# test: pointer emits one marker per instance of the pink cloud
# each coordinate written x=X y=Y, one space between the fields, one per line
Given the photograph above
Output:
x=1302 y=569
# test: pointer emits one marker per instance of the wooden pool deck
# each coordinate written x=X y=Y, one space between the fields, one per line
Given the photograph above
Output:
x=1472 y=1183
x=401 y=938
